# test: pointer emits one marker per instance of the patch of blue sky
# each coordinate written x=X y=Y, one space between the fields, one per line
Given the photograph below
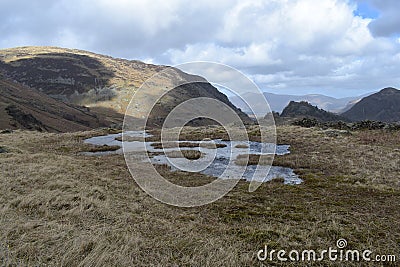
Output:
x=366 y=10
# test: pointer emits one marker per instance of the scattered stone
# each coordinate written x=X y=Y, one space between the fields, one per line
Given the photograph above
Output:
x=368 y=125
x=117 y=126
x=347 y=127
x=336 y=133
x=26 y=120
x=6 y=131
x=307 y=122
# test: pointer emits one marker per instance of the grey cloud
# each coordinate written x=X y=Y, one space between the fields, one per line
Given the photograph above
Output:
x=100 y=30
x=388 y=22
x=173 y=32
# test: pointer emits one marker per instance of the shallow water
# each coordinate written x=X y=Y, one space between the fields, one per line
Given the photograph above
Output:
x=109 y=140
x=213 y=161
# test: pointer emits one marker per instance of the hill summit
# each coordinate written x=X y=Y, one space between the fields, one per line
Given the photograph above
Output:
x=304 y=109
x=382 y=106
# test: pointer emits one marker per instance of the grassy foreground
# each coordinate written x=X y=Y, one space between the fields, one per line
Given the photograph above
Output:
x=58 y=208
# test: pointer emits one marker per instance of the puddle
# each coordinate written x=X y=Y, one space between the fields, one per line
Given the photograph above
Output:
x=110 y=140
x=214 y=161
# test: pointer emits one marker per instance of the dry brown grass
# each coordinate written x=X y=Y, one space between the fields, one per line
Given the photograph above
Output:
x=379 y=137
x=102 y=148
x=253 y=159
x=62 y=209
x=356 y=161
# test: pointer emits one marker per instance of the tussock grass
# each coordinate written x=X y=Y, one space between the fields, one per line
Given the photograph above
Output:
x=380 y=137
x=189 y=154
x=278 y=180
x=159 y=145
x=242 y=146
x=131 y=138
x=62 y=209
x=103 y=148
x=253 y=159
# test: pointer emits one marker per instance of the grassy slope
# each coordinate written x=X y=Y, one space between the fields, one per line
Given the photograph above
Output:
x=54 y=116
x=59 y=208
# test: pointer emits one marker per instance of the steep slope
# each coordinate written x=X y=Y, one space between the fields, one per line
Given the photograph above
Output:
x=93 y=80
x=382 y=106
x=24 y=108
x=305 y=110
x=350 y=105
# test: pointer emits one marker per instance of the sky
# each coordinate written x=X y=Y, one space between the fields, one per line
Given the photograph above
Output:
x=333 y=47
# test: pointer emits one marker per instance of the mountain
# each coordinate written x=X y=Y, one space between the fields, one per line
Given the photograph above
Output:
x=97 y=81
x=24 y=108
x=306 y=110
x=382 y=106
x=279 y=102
x=75 y=76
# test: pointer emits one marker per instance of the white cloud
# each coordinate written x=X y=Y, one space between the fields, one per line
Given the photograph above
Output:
x=252 y=55
x=304 y=44
x=301 y=44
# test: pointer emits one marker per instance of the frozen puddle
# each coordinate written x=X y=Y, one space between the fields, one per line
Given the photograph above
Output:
x=214 y=160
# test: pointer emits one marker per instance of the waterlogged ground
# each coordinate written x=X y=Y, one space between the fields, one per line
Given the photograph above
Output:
x=214 y=161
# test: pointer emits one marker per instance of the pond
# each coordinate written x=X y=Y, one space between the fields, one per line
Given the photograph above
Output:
x=216 y=159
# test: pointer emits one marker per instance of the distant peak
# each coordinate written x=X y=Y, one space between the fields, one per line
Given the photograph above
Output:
x=389 y=90
x=303 y=109
x=382 y=106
